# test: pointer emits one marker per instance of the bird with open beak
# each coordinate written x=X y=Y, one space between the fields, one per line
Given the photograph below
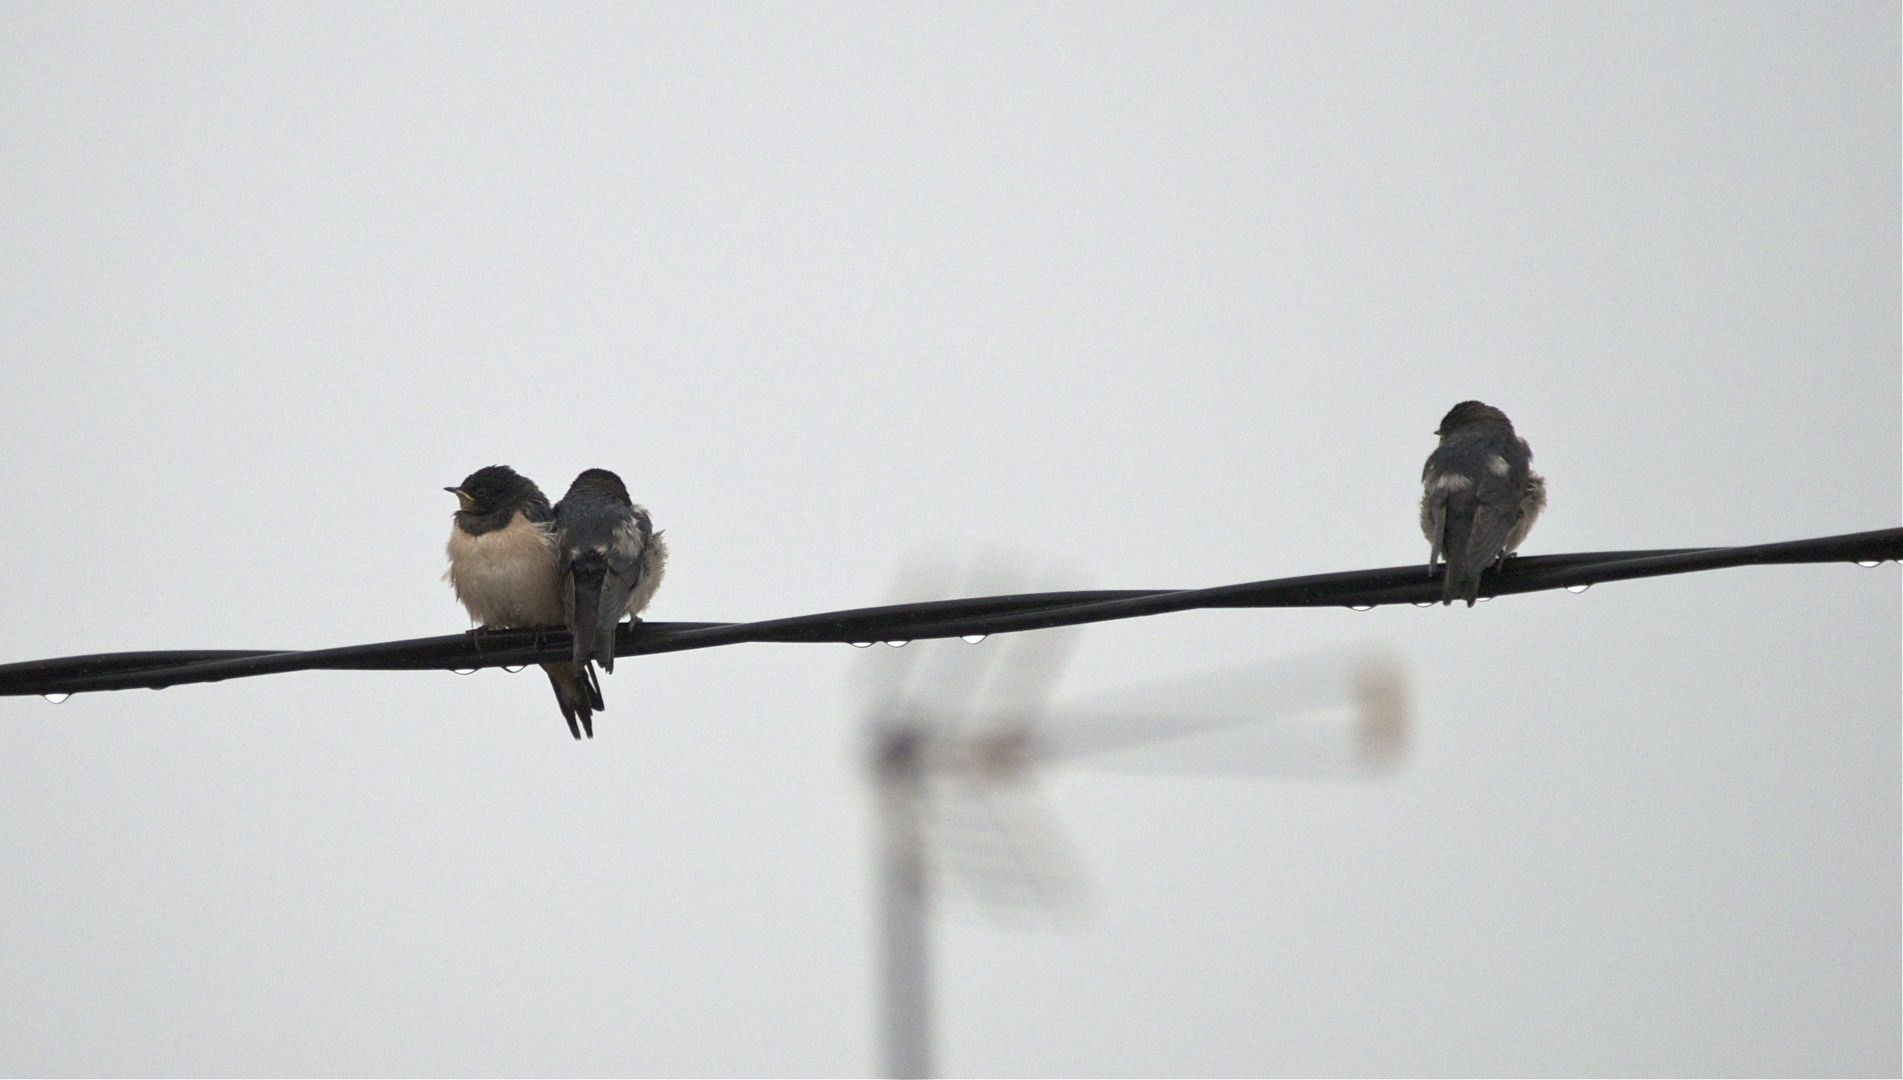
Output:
x=505 y=569
x=1480 y=496
x=611 y=561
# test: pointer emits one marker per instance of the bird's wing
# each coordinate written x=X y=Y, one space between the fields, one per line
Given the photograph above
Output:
x=1493 y=519
x=1474 y=487
x=1502 y=475
x=1434 y=522
x=626 y=546
x=1531 y=504
x=601 y=578
x=1446 y=478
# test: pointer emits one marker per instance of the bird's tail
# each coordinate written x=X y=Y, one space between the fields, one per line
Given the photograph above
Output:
x=1462 y=579
x=578 y=693
x=593 y=629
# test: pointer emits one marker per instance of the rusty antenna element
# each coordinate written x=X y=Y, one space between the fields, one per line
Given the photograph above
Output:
x=958 y=732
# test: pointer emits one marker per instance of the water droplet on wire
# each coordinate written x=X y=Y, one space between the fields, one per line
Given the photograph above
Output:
x=513 y=668
x=898 y=644
x=464 y=670
x=1425 y=603
x=1869 y=562
x=56 y=698
x=862 y=644
x=972 y=639
x=1360 y=607
x=1578 y=588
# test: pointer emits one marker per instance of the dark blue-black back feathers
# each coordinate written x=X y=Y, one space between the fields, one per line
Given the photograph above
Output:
x=611 y=561
x=1479 y=496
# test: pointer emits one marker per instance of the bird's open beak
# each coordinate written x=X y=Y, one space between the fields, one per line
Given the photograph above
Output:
x=466 y=502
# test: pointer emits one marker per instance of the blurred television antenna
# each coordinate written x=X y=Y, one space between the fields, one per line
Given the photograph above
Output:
x=957 y=732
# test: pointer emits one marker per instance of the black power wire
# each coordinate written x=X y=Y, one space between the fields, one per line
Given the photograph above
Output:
x=933 y=619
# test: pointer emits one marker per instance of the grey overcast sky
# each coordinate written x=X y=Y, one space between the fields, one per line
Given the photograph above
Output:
x=1174 y=292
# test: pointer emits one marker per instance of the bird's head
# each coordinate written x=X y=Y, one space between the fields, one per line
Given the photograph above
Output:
x=1471 y=412
x=496 y=489
x=600 y=482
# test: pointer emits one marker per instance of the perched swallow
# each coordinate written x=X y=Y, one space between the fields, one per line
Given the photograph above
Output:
x=504 y=567
x=611 y=561
x=1480 y=496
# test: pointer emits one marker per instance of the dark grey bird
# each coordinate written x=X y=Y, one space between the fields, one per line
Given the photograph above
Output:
x=504 y=566
x=610 y=559
x=1479 y=496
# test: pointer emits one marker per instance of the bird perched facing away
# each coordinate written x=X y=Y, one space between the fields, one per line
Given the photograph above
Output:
x=505 y=570
x=611 y=561
x=1480 y=496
